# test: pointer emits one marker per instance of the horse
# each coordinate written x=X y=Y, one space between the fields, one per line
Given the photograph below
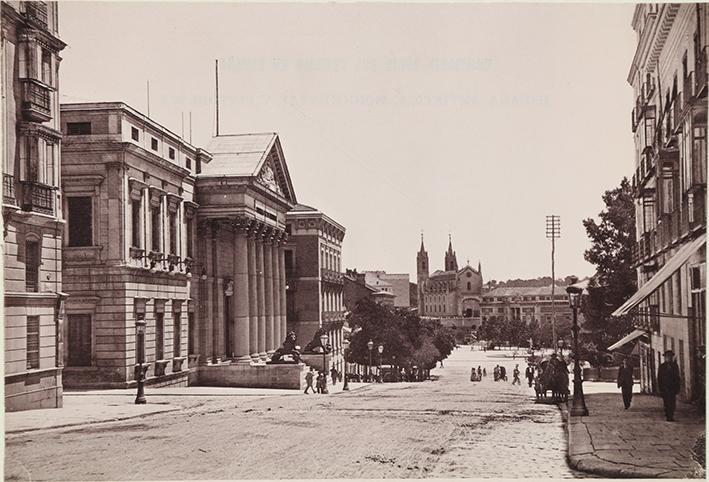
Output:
x=554 y=377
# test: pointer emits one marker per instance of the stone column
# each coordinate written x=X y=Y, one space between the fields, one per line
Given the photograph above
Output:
x=253 y=301
x=261 y=289
x=282 y=289
x=268 y=281
x=240 y=299
x=278 y=336
x=215 y=295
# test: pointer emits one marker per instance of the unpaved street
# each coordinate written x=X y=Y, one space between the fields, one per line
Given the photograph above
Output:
x=450 y=427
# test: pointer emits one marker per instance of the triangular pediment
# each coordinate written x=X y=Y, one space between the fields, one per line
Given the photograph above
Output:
x=272 y=172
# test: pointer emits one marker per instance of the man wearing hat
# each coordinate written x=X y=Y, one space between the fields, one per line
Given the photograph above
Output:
x=668 y=384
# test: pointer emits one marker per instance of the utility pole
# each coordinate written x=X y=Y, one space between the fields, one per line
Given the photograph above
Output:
x=216 y=81
x=553 y=231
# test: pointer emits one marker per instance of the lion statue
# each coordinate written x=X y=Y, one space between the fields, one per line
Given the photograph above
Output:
x=289 y=348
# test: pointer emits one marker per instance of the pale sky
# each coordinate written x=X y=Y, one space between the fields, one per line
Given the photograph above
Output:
x=473 y=119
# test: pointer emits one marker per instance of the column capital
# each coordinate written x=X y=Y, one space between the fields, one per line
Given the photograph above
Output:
x=242 y=224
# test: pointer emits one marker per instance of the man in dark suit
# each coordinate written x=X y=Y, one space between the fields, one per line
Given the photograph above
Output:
x=529 y=373
x=669 y=384
x=625 y=382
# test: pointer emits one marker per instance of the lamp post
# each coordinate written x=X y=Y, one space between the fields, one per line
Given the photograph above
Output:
x=345 y=346
x=323 y=342
x=140 y=349
x=380 y=349
x=370 y=345
x=578 y=406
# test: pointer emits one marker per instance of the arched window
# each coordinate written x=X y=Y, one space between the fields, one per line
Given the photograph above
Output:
x=469 y=286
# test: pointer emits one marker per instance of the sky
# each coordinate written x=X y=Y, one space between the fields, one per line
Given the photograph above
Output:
x=474 y=120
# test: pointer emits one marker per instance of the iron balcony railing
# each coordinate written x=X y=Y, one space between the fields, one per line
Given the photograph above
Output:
x=36 y=10
x=331 y=276
x=37 y=197
x=8 y=189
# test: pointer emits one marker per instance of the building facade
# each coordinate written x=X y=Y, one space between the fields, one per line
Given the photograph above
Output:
x=315 y=283
x=669 y=78
x=394 y=283
x=451 y=293
x=129 y=245
x=528 y=304
x=32 y=204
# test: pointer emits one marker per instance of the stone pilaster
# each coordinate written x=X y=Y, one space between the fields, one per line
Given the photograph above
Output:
x=282 y=288
x=253 y=301
x=240 y=298
x=268 y=284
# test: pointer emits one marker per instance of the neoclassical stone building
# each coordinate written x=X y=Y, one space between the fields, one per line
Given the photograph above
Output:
x=31 y=204
x=453 y=294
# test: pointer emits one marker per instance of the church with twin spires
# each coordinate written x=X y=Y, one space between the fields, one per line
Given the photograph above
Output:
x=451 y=293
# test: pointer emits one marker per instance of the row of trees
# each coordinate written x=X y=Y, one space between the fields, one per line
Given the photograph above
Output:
x=498 y=331
x=408 y=339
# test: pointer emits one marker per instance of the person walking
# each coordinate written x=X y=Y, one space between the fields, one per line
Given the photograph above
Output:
x=484 y=372
x=668 y=383
x=625 y=382
x=529 y=374
x=333 y=374
x=480 y=373
x=496 y=373
x=309 y=381
x=503 y=373
x=515 y=376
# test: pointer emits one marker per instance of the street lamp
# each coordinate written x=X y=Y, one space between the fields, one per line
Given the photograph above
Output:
x=323 y=342
x=578 y=407
x=370 y=345
x=139 y=372
x=380 y=349
x=345 y=346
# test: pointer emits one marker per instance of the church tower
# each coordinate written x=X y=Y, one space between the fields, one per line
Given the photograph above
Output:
x=421 y=274
x=451 y=263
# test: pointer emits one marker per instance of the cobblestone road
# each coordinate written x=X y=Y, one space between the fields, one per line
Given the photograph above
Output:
x=446 y=428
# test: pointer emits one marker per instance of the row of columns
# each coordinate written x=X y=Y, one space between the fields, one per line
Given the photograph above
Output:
x=259 y=317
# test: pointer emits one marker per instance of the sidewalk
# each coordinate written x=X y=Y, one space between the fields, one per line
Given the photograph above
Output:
x=94 y=406
x=638 y=442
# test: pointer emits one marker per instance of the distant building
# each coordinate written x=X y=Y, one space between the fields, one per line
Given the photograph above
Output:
x=31 y=204
x=315 y=295
x=528 y=304
x=669 y=122
x=396 y=284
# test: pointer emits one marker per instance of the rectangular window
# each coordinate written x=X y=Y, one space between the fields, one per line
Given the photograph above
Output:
x=32 y=342
x=79 y=340
x=153 y=143
x=188 y=229
x=136 y=223
x=171 y=153
x=32 y=266
x=155 y=226
x=173 y=233
x=198 y=166
x=699 y=155
x=668 y=197
x=188 y=163
x=80 y=221
x=177 y=335
x=190 y=333
x=47 y=67
x=159 y=336
x=78 y=128
x=135 y=134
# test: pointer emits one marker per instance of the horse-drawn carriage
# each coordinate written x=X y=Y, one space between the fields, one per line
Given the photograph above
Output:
x=552 y=375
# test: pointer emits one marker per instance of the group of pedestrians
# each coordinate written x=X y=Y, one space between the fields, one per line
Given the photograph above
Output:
x=668 y=383
x=320 y=380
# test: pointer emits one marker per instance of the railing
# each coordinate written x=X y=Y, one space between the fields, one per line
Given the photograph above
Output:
x=37 y=197
x=331 y=276
x=8 y=189
x=36 y=10
x=36 y=102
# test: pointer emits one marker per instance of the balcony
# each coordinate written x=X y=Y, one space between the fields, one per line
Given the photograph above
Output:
x=330 y=276
x=8 y=189
x=36 y=11
x=37 y=197
x=333 y=316
x=36 y=101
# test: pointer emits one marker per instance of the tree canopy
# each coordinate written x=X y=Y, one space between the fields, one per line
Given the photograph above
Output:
x=408 y=339
x=612 y=241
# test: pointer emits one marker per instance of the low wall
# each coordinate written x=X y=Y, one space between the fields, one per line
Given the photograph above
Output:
x=289 y=376
x=36 y=389
x=606 y=374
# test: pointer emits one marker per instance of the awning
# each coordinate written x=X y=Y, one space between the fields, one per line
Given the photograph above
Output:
x=662 y=275
x=627 y=339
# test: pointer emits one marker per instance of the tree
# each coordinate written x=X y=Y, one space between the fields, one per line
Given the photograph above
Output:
x=611 y=251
